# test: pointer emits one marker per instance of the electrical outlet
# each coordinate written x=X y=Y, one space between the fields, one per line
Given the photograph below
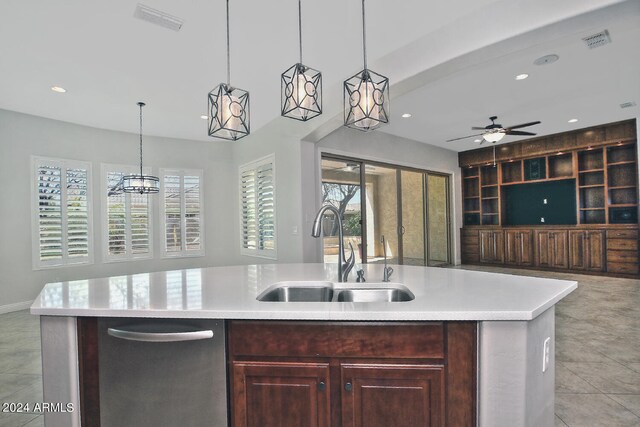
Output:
x=544 y=201
x=542 y=219
x=546 y=355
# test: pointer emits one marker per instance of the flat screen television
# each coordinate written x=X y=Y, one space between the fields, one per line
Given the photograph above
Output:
x=540 y=203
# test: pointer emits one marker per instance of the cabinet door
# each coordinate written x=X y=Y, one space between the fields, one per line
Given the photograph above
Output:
x=381 y=395
x=275 y=394
x=491 y=246
x=518 y=247
x=551 y=249
x=526 y=247
x=595 y=246
x=543 y=245
x=559 y=254
x=512 y=247
x=578 y=257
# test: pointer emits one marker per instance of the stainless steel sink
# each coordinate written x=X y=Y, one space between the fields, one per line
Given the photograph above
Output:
x=390 y=294
x=321 y=291
x=294 y=291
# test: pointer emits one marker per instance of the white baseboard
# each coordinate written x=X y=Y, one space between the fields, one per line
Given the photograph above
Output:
x=15 y=307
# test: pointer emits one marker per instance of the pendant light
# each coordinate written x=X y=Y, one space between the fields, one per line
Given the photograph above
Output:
x=366 y=95
x=301 y=87
x=228 y=106
x=143 y=184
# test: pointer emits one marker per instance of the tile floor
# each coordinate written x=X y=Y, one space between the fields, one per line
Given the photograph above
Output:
x=597 y=355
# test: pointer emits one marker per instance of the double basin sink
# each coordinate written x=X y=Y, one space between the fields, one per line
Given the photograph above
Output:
x=324 y=291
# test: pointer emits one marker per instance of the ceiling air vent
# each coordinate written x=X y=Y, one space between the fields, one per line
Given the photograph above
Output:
x=157 y=17
x=628 y=104
x=596 y=40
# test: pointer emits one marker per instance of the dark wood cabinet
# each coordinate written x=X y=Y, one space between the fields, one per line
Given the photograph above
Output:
x=281 y=394
x=518 y=247
x=601 y=162
x=291 y=374
x=552 y=249
x=470 y=248
x=586 y=250
x=369 y=390
x=622 y=251
x=491 y=246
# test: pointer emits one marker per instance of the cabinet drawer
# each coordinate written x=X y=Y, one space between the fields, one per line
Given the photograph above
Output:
x=470 y=241
x=621 y=267
x=622 y=244
x=341 y=339
x=622 y=234
x=622 y=256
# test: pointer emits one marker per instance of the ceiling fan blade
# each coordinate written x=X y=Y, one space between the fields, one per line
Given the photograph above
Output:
x=518 y=132
x=478 y=128
x=523 y=125
x=463 y=137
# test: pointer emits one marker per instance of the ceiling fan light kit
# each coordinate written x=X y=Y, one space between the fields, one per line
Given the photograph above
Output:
x=495 y=131
x=301 y=87
x=366 y=95
x=228 y=106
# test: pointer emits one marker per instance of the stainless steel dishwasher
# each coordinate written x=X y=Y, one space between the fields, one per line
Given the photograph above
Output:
x=157 y=372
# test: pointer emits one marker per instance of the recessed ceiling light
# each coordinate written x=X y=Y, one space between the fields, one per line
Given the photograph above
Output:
x=547 y=59
x=573 y=120
x=406 y=115
x=203 y=117
x=58 y=89
x=522 y=76
x=477 y=140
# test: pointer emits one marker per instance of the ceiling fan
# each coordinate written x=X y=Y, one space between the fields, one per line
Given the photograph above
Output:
x=495 y=132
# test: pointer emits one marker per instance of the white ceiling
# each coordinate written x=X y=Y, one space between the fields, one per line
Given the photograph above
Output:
x=451 y=64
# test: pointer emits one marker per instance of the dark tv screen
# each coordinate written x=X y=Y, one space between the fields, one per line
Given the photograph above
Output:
x=527 y=204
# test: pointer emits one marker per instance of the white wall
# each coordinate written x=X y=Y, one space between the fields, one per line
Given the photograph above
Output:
x=22 y=136
x=297 y=190
x=382 y=147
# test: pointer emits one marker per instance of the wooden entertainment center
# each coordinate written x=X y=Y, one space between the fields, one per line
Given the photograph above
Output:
x=600 y=163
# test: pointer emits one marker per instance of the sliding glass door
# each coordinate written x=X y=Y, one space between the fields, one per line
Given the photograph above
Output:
x=408 y=209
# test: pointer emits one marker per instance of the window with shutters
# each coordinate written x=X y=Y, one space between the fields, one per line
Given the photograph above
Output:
x=258 y=208
x=182 y=212
x=61 y=209
x=127 y=220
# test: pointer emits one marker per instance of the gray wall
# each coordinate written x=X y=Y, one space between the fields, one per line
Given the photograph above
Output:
x=22 y=136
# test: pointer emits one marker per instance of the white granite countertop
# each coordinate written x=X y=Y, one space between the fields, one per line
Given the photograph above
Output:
x=230 y=293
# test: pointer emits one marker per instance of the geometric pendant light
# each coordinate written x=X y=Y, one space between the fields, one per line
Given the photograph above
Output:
x=228 y=106
x=366 y=95
x=301 y=87
x=143 y=184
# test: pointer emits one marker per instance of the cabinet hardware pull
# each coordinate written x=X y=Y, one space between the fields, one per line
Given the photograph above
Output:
x=160 y=336
x=321 y=386
x=348 y=386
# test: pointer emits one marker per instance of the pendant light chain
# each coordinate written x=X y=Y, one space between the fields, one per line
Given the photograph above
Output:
x=300 y=27
x=364 y=38
x=141 y=104
x=228 y=50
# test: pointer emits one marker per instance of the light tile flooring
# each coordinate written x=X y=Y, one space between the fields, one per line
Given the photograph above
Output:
x=597 y=355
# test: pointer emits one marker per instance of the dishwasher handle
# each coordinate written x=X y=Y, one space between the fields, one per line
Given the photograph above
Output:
x=160 y=336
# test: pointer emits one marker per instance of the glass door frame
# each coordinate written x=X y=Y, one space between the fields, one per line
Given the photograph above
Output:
x=398 y=168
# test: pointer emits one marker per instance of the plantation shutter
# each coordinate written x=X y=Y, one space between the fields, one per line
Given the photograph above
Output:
x=128 y=218
x=62 y=224
x=257 y=198
x=182 y=212
x=172 y=214
x=192 y=212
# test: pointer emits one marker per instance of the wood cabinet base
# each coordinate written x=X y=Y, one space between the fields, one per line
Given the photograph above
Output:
x=369 y=374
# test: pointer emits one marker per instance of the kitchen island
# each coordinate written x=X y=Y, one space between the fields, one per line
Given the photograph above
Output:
x=511 y=319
